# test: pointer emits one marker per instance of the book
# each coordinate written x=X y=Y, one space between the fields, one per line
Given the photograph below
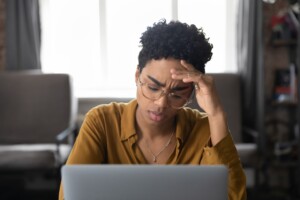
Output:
x=285 y=86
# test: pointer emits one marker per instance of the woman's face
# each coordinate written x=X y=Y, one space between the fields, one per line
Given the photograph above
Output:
x=156 y=77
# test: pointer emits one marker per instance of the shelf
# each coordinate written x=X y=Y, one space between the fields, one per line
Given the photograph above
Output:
x=285 y=103
x=285 y=164
x=278 y=43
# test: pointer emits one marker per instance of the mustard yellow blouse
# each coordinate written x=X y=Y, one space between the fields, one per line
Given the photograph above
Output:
x=108 y=135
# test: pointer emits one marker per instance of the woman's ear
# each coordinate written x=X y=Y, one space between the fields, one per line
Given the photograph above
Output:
x=137 y=74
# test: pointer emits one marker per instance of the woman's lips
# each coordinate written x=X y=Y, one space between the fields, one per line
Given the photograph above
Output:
x=155 y=116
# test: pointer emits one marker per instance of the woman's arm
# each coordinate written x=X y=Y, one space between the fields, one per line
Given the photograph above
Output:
x=207 y=99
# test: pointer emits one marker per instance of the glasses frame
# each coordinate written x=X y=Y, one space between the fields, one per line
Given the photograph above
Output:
x=167 y=93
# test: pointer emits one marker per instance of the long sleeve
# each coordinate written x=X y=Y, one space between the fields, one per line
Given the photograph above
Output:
x=89 y=146
x=225 y=153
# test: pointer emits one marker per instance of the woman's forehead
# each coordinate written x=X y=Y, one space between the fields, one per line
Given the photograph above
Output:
x=163 y=64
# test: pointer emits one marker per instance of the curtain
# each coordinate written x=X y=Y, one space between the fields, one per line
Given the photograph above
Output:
x=23 y=32
x=249 y=59
x=2 y=14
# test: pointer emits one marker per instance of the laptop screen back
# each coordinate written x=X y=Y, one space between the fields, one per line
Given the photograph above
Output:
x=144 y=182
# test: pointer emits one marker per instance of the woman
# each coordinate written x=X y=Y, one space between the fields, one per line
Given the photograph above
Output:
x=156 y=127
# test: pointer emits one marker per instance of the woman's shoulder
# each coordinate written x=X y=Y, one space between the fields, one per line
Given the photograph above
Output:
x=193 y=113
x=190 y=117
x=110 y=109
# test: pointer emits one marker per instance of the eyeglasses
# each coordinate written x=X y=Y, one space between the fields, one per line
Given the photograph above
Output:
x=154 y=92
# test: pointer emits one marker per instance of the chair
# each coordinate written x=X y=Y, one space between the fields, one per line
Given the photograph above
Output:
x=228 y=86
x=37 y=122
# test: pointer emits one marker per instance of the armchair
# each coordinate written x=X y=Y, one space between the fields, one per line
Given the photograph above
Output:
x=37 y=121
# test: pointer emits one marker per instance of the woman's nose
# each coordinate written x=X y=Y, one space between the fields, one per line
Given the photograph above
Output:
x=163 y=100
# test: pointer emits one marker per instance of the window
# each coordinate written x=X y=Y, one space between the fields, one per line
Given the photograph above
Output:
x=97 y=41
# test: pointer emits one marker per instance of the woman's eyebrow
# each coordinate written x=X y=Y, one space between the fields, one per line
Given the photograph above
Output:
x=176 y=88
x=179 y=88
x=156 y=81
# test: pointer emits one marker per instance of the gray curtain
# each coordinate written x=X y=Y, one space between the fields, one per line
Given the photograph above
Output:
x=23 y=35
x=249 y=55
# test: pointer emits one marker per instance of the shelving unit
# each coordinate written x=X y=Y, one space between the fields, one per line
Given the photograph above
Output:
x=282 y=117
x=298 y=92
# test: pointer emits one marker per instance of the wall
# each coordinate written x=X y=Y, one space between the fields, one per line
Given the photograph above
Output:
x=2 y=26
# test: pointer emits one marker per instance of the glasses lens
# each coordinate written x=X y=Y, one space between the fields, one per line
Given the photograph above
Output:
x=177 y=101
x=153 y=92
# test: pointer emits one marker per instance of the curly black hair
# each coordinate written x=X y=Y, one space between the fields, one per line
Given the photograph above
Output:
x=175 y=40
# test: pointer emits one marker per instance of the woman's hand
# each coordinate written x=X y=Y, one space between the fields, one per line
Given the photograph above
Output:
x=205 y=90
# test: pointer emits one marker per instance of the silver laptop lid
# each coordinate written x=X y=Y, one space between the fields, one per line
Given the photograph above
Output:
x=144 y=182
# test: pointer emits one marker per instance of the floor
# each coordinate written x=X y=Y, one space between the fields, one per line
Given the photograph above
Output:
x=272 y=194
x=52 y=195
x=13 y=187
x=33 y=195
x=46 y=188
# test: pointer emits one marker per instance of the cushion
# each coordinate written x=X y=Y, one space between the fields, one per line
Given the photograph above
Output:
x=30 y=157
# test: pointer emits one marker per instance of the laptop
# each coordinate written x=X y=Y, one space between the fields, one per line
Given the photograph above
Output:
x=145 y=182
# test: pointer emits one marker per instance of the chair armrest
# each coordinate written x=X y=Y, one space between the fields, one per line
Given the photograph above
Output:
x=64 y=135
x=67 y=134
x=251 y=132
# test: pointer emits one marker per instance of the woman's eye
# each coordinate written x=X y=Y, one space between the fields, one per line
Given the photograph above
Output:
x=153 y=88
x=175 y=96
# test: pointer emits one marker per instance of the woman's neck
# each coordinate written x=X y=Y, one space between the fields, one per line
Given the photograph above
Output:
x=149 y=131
